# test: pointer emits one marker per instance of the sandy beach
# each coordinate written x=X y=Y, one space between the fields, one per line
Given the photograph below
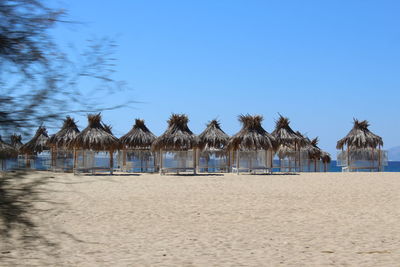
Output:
x=310 y=219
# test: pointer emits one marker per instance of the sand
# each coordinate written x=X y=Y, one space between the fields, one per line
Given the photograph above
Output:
x=320 y=219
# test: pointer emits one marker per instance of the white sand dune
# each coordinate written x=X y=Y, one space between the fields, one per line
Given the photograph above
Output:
x=349 y=219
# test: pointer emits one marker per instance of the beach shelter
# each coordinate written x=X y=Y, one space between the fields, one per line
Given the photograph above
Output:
x=326 y=159
x=7 y=152
x=37 y=151
x=136 y=149
x=176 y=146
x=95 y=146
x=16 y=141
x=310 y=154
x=61 y=147
x=289 y=144
x=361 y=149
x=212 y=143
x=252 y=147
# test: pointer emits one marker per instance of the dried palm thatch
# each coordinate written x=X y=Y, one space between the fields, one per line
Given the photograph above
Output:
x=95 y=137
x=177 y=137
x=38 y=143
x=7 y=151
x=289 y=150
x=286 y=151
x=284 y=135
x=139 y=137
x=360 y=137
x=213 y=137
x=16 y=141
x=325 y=157
x=66 y=135
x=312 y=149
x=107 y=128
x=252 y=136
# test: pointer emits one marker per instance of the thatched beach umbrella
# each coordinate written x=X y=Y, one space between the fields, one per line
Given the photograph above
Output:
x=6 y=152
x=16 y=141
x=94 y=137
x=251 y=137
x=66 y=135
x=213 y=137
x=312 y=150
x=36 y=145
x=360 y=137
x=63 y=138
x=213 y=140
x=107 y=128
x=178 y=137
x=138 y=138
x=284 y=134
x=326 y=159
x=286 y=137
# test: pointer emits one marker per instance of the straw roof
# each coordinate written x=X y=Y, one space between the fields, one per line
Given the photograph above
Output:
x=16 y=141
x=139 y=137
x=178 y=136
x=213 y=137
x=314 y=152
x=7 y=151
x=284 y=151
x=325 y=157
x=360 y=137
x=66 y=135
x=95 y=137
x=252 y=136
x=284 y=135
x=107 y=128
x=38 y=143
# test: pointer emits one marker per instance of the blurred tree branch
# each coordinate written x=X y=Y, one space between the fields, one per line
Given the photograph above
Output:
x=39 y=83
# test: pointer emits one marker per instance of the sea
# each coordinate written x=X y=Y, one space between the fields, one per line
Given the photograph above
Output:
x=393 y=166
x=43 y=164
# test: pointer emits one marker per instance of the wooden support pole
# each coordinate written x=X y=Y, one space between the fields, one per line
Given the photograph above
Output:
x=228 y=160
x=27 y=161
x=379 y=158
x=194 y=161
x=161 y=162
x=272 y=159
x=348 y=158
x=111 y=161
x=124 y=159
x=315 y=165
x=237 y=162
x=75 y=159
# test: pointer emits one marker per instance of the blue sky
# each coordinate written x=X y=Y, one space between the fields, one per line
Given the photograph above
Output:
x=320 y=63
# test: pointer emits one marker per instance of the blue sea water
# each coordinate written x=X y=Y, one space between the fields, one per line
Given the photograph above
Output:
x=393 y=166
x=43 y=164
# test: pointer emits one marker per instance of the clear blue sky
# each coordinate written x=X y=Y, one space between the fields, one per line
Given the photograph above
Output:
x=320 y=63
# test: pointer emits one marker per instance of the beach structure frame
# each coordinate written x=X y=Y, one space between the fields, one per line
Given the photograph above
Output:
x=7 y=152
x=251 y=150
x=135 y=154
x=177 y=147
x=361 y=150
x=93 y=145
x=62 y=152
x=289 y=144
x=36 y=151
x=213 y=155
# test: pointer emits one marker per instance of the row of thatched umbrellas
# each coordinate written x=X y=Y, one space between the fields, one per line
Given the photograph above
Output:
x=178 y=137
